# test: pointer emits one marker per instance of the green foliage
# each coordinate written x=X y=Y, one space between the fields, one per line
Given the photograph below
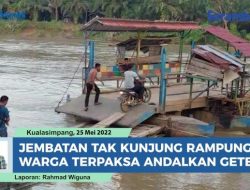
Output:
x=49 y=26
x=233 y=29
x=4 y=4
x=195 y=10
x=13 y=26
x=74 y=9
x=247 y=36
x=196 y=36
x=77 y=11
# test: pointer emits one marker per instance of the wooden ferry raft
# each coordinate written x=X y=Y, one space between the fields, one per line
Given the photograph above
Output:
x=181 y=126
x=108 y=107
x=177 y=100
x=206 y=63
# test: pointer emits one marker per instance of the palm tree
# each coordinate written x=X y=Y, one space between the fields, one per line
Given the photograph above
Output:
x=95 y=5
x=54 y=6
x=75 y=8
x=32 y=6
x=169 y=9
x=4 y=4
x=194 y=10
x=114 y=8
x=146 y=10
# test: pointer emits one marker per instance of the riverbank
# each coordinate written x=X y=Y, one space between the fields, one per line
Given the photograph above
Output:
x=51 y=31
x=58 y=30
x=70 y=32
x=39 y=30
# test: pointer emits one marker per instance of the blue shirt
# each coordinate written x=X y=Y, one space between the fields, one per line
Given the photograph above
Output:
x=4 y=114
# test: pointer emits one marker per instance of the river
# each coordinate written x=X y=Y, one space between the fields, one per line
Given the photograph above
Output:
x=35 y=74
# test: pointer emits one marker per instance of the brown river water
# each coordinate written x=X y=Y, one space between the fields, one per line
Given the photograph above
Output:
x=35 y=74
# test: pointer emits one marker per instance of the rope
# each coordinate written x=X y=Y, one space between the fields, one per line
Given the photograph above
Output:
x=83 y=57
x=66 y=90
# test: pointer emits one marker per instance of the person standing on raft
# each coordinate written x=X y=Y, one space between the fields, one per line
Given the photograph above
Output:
x=90 y=84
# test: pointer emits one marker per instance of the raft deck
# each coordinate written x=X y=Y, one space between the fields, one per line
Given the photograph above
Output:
x=137 y=115
x=177 y=100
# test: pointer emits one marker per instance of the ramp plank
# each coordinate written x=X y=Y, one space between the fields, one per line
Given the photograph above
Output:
x=79 y=125
x=110 y=120
x=98 y=113
x=146 y=130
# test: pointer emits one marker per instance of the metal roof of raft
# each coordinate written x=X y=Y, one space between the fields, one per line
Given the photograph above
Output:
x=131 y=43
x=238 y=43
x=213 y=63
x=127 y=25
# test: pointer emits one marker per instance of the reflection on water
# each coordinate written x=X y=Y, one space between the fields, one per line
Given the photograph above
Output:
x=35 y=74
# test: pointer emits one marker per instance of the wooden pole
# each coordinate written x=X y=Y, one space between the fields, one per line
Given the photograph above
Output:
x=180 y=53
x=222 y=84
x=84 y=70
x=138 y=49
x=243 y=80
x=163 y=82
x=227 y=89
x=232 y=90
x=242 y=83
x=237 y=89
x=191 y=91
x=91 y=54
x=208 y=84
x=192 y=45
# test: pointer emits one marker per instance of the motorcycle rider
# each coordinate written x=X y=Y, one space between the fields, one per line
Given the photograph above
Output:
x=132 y=80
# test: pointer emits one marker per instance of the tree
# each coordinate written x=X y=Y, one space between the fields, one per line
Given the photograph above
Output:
x=169 y=9
x=54 y=6
x=146 y=10
x=32 y=7
x=194 y=10
x=112 y=8
x=225 y=6
x=4 y=4
x=74 y=8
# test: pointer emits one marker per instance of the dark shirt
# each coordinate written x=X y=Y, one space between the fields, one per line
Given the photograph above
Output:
x=4 y=114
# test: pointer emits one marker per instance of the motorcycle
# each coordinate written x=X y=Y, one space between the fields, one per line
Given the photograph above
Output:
x=130 y=98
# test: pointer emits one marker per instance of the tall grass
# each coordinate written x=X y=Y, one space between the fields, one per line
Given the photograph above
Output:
x=13 y=26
